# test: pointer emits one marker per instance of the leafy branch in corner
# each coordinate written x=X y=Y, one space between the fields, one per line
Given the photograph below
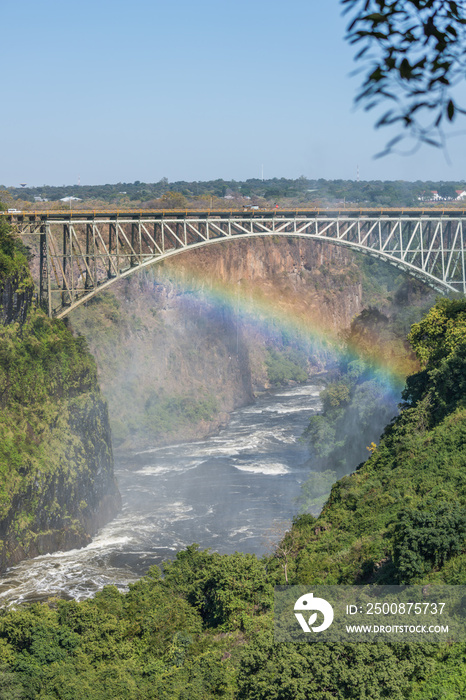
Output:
x=414 y=55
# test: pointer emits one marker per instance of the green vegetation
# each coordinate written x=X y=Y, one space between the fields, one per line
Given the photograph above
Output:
x=203 y=630
x=414 y=479
x=167 y=415
x=13 y=254
x=399 y=518
x=180 y=637
x=427 y=539
x=413 y=53
x=363 y=391
x=285 y=366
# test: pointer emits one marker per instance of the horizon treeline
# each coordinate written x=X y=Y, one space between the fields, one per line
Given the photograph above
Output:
x=301 y=190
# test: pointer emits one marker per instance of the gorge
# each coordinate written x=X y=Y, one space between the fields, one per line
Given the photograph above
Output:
x=177 y=349
x=204 y=628
x=203 y=327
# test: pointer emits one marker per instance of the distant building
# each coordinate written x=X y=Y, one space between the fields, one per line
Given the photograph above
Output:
x=461 y=194
x=432 y=196
x=40 y=199
x=70 y=199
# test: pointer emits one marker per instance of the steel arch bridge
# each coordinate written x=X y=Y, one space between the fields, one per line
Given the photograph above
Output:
x=84 y=252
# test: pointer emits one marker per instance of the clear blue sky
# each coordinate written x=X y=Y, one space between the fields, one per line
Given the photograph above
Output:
x=123 y=91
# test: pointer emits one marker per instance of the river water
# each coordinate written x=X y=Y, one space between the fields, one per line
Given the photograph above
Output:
x=231 y=492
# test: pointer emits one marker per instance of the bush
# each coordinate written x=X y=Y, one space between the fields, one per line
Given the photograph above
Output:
x=284 y=367
x=427 y=539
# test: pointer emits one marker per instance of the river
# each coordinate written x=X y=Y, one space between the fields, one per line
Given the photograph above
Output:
x=231 y=492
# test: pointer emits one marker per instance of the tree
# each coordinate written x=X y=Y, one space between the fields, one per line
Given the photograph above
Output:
x=414 y=51
x=13 y=253
x=447 y=191
x=428 y=538
x=439 y=341
x=440 y=333
x=173 y=200
x=283 y=543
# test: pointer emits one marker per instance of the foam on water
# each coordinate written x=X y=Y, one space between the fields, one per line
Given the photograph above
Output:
x=279 y=408
x=273 y=468
x=305 y=390
x=241 y=531
x=235 y=445
x=153 y=469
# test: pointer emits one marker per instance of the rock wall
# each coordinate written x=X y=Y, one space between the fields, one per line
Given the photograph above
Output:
x=65 y=496
x=57 y=485
x=304 y=288
x=15 y=298
x=298 y=276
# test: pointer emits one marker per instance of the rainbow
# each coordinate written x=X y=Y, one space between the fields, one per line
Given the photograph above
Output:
x=275 y=316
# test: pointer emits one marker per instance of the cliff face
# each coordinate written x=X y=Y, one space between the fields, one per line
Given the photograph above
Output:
x=180 y=345
x=56 y=465
x=299 y=276
x=65 y=493
x=291 y=287
x=15 y=298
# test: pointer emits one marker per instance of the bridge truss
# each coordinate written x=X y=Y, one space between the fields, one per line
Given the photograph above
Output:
x=84 y=252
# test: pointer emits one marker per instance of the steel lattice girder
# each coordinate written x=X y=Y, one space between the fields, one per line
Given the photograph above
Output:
x=81 y=256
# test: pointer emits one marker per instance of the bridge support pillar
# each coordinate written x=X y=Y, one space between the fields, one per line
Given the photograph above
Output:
x=45 y=301
x=133 y=261
x=65 y=295
x=89 y=282
x=112 y=234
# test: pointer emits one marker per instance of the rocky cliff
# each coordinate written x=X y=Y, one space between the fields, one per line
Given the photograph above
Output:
x=56 y=465
x=294 y=292
x=16 y=294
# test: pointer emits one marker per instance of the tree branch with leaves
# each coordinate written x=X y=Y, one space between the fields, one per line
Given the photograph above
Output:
x=413 y=53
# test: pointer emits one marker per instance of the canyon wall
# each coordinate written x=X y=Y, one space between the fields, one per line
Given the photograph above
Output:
x=57 y=485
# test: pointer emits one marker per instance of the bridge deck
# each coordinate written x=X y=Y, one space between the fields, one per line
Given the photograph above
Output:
x=159 y=214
